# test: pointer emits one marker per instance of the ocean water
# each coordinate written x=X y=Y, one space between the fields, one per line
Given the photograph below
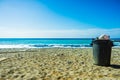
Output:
x=49 y=42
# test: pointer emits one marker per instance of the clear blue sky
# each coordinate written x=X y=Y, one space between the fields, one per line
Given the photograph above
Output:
x=59 y=18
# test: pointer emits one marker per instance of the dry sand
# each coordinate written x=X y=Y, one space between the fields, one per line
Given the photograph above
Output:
x=56 y=64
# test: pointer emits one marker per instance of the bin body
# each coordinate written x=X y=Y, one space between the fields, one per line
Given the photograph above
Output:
x=102 y=52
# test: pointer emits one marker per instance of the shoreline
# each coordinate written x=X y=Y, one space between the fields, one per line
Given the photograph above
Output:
x=48 y=47
x=56 y=64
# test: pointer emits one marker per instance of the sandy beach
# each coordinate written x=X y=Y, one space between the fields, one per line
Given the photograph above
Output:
x=56 y=64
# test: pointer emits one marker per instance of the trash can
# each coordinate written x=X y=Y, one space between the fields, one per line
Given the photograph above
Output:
x=102 y=52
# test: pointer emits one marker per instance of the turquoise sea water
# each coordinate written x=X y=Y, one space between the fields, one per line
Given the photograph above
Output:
x=48 y=42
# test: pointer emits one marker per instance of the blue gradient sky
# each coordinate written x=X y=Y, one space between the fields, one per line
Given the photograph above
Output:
x=59 y=18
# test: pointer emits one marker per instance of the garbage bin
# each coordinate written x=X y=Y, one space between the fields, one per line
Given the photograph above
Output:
x=102 y=52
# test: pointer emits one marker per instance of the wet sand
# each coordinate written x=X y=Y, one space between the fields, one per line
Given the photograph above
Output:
x=56 y=64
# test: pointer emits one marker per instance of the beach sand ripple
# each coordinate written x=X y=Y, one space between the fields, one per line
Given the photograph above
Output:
x=56 y=64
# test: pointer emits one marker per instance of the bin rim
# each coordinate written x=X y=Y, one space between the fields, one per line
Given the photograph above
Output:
x=102 y=40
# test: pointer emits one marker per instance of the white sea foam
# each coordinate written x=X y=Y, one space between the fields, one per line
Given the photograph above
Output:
x=58 y=46
x=47 y=46
x=15 y=46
